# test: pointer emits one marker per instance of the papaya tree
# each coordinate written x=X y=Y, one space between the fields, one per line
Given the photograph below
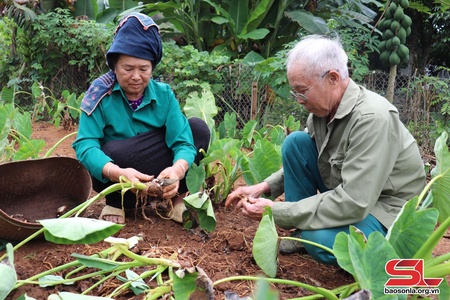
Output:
x=396 y=27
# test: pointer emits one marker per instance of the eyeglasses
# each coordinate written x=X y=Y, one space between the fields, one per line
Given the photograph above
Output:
x=302 y=96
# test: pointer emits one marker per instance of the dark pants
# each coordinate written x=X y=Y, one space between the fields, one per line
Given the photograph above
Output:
x=148 y=153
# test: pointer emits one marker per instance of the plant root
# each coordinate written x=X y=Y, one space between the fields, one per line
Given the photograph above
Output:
x=151 y=198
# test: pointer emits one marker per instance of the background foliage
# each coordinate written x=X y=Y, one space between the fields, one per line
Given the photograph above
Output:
x=235 y=49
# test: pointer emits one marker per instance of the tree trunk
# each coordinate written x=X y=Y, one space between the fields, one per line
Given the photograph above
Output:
x=391 y=83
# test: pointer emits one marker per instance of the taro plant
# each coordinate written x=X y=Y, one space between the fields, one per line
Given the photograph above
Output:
x=15 y=135
x=16 y=142
x=415 y=233
x=225 y=161
x=46 y=105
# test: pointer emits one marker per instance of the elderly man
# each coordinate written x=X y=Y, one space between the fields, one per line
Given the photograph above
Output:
x=356 y=164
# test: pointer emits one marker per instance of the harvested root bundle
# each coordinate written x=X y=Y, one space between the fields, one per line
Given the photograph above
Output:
x=150 y=196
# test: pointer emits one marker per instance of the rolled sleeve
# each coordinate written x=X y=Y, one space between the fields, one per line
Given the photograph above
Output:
x=276 y=183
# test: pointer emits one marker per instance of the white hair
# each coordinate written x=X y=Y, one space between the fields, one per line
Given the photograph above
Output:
x=318 y=54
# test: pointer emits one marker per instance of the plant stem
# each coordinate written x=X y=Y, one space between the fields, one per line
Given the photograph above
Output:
x=127 y=284
x=437 y=260
x=323 y=292
x=113 y=274
x=32 y=280
x=63 y=267
x=307 y=242
x=426 y=188
x=50 y=151
x=433 y=240
x=439 y=271
x=147 y=260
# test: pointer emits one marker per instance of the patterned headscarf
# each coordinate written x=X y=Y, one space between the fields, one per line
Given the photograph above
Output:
x=136 y=35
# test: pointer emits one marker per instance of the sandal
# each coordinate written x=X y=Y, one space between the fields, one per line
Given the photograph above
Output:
x=110 y=212
x=178 y=208
x=176 y=214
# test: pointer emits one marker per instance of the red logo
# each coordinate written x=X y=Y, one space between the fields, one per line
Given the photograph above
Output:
x=408 y=273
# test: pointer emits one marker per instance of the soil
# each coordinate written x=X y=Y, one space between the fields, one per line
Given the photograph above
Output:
x=225 y=252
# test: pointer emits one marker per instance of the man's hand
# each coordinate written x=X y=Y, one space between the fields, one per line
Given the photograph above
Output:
x=254 y=207
x=253 y=191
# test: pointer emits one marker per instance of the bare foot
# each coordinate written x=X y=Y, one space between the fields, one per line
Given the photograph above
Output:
x=114 y=219
x=113 y=214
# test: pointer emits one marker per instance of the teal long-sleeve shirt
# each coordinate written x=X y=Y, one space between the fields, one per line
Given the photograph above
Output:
x=113 y=119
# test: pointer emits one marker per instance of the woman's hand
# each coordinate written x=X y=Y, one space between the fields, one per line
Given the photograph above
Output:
x=177 y=171
x=114 y=172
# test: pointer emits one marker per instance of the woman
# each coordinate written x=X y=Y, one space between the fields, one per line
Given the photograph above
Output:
x=132 y=126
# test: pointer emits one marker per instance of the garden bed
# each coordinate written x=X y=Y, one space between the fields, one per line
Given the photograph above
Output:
x=225 y=252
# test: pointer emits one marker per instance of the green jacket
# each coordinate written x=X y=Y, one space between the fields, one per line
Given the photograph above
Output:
x=113 y=119
x=368 y=160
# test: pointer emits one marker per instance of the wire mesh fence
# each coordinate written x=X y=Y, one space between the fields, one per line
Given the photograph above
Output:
x=249 y=99
x=378 y=82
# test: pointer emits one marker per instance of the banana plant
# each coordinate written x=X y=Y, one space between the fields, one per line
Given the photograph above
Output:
x=191 y=21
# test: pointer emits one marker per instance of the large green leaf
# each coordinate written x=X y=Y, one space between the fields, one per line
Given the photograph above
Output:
x=96 y=262
x=195 y=178
x=341 y=249
x=7 y=112
x=265 y=292
x=252 y=58
x=72 y=296
x=172 y=12
x=22 y=123
x=29 y=149
x=219 y=149
x=192 y=283
x=7 y=94
x=266 y=160
x=411 y=229
x=239 y=12
x=257 y=34
x=107 y=16
x=86 y=8
x=227 y=128
x=441 y=187
x=7 y=273
x=248 y=131
x=184 y=284
x=308 y=21
x=277 y=135
x=257 y=15
x=123 y=5
x=360 y=262
x=203 y=208
x=444 y=290
x=265 y=244
x=203 y=107
x=78 y=230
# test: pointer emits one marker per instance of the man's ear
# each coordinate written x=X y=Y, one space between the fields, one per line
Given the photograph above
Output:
x=334 y=76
